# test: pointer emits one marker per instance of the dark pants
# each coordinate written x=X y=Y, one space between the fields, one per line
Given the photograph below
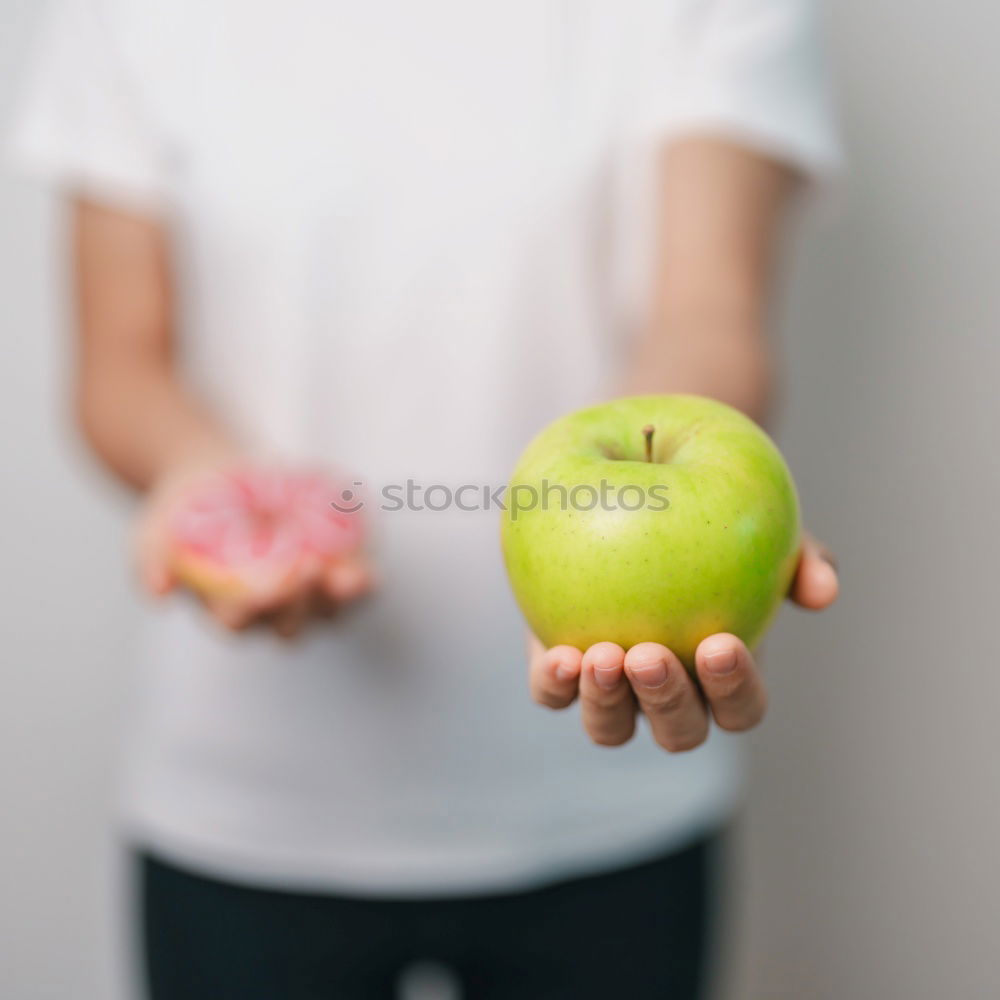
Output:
x=636 y=933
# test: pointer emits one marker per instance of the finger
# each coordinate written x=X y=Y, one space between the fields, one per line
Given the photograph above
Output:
x=553 y=674
x=348 y=579
x=280 y=601
x=153 y=558
x=667 y=696
x=286 y=604
x=272 y=594
x=289 y=621
x=322 y=606
x=730 y=681
x=233 y=614
x=815 y=585
x=606 y=701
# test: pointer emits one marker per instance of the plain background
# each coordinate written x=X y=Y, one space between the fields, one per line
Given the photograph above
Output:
x=869 y=845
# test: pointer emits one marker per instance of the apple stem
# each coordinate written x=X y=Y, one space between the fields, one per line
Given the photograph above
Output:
x=647 y=433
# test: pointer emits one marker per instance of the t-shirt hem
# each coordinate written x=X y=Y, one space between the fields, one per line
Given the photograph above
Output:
x=448 y=873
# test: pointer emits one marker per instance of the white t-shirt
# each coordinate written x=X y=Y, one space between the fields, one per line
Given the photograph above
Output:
x=408 y=235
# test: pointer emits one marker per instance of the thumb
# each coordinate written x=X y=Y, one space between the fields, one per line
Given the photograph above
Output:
x=816 y=584
x=152 y=554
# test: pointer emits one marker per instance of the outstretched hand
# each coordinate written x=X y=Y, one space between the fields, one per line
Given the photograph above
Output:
x=614 y=685
x=286 y=604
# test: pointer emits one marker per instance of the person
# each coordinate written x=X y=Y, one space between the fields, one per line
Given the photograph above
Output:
x=399 y=238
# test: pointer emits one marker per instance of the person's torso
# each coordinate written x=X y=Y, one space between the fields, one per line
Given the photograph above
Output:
x=399 y=253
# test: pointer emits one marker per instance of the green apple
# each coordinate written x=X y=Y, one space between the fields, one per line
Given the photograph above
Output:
x=651 y=518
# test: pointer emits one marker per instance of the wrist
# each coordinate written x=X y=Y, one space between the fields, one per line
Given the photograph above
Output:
x=193 y=458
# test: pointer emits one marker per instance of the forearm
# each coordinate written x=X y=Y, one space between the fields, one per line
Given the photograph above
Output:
x=131 y=403
x=709 y=345
x=720 y=222
x=142 y=422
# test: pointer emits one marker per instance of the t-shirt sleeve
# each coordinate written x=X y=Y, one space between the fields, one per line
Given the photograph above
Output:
x=753 y=71
x=82 y=122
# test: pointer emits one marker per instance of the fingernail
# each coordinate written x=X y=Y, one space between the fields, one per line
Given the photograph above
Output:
x=607 y=677
x=651 y=675
x=721 y=662
x=565 y=671
x=827 y=574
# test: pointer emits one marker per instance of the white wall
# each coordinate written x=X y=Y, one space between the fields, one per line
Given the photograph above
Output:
x=875 y=819
x=66 y=602
x=870 y=841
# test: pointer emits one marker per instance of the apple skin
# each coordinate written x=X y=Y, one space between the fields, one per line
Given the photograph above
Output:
x=719 y=557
